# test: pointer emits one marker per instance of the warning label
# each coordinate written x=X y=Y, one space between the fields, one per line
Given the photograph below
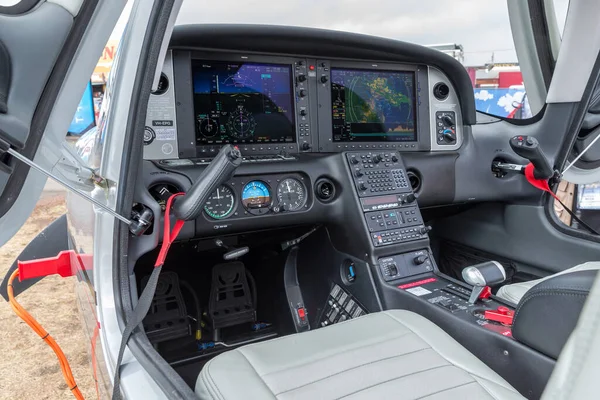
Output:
x=418 y=291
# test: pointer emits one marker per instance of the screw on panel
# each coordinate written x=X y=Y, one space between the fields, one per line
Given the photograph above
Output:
x=505 y=352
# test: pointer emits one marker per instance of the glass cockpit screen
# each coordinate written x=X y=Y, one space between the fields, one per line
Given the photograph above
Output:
x=243 y=102
x=373 y=106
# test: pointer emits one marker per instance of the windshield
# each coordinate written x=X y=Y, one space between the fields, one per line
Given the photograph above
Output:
x=481 y=27
x=475 y=32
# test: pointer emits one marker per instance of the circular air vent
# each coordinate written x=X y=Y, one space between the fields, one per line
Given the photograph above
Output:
x=163 y=85
x=325 y=190
x=441 y=91
x=415 y=180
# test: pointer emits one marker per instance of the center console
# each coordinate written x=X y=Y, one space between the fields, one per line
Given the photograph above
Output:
x=386 y=197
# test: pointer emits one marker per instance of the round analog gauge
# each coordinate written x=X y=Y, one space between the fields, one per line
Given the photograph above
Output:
x=220 y=204
x=256 y=197
x=241 y=123
x=291 y=194
x=208 y=127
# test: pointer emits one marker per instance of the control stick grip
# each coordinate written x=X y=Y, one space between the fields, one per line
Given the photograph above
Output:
x=528 y=147
x=220 y=170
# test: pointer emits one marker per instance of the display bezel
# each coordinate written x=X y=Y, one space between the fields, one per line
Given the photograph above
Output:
x=422 y=135
x=413 y=95
x=188 y=148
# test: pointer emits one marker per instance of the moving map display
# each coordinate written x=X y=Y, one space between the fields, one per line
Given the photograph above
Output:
x=242 y=102
x=373 y=106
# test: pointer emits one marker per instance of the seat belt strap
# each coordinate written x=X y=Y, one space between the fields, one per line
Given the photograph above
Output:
x=542 y=184
x=145 y=301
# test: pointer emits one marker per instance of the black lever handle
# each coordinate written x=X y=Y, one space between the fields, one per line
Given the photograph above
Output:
x=219 y=171
x=528 y=147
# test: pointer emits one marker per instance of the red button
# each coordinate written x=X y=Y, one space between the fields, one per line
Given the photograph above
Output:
x=503 y=310
x=301 y=313
x=311 y=67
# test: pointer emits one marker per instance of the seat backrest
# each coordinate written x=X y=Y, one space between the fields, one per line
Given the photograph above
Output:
x=576 y=373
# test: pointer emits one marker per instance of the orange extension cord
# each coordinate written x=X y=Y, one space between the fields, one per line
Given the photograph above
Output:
x=37 y=328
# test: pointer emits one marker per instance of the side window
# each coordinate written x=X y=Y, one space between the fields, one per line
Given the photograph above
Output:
x=85 y=131
x=491 y=57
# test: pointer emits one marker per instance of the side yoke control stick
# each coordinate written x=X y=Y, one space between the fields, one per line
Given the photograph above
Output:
x=219 y=171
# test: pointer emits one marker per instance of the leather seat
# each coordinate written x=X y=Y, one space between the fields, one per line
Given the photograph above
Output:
x=387 y=355
x=515 y=292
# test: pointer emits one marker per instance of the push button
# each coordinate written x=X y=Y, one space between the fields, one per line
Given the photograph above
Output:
x=302 y=313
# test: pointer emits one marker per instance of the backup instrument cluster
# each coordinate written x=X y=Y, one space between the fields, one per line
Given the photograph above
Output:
x=269 y=194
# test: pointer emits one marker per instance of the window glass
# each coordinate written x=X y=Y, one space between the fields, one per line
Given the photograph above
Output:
x=85 y=131
x=8 y=3
x=477 y=33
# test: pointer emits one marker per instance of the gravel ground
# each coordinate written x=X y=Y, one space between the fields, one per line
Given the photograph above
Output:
x=28 y=367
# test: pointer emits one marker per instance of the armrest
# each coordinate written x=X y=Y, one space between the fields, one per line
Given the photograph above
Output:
x=548 y=313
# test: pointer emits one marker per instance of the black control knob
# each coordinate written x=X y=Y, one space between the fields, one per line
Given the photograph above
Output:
x=358 y=173
x=377 y=158
x=410 y=198
x=424 y=230
x=305 y=146
x=449 y=136
x=303 y=112
x=448 y=120
x=394 y=158
x=362 y=186
x=324 y=78
x=302 y=93
x=353 y=160
x=301 y=77
x=421 y=259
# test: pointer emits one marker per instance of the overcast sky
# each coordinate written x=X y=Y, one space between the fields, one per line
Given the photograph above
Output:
x=480 y=26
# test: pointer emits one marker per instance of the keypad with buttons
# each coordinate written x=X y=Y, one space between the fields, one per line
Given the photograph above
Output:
x=378 y=173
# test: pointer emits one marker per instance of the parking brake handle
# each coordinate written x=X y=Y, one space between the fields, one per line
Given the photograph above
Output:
x=219 y=171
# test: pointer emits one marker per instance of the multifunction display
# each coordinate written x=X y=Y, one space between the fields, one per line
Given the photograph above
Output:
x=243 y=102
x=373 y=106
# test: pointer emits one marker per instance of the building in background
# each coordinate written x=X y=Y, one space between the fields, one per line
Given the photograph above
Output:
x=498 y=87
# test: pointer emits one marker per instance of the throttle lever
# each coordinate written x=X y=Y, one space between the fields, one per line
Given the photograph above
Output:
x=219 y=171
x=528 y=147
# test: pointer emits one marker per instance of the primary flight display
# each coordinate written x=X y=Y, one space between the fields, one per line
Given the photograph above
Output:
x=243 y=102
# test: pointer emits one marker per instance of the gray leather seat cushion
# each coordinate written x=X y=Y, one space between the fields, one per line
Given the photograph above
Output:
x=387 y=355
x=515 y=292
